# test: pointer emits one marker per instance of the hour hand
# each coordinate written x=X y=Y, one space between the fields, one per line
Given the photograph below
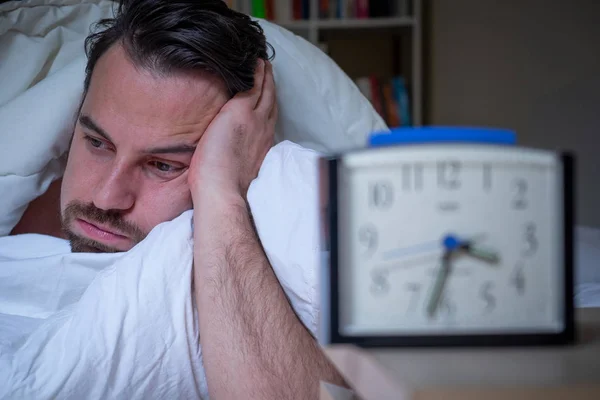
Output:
x=481 y=253
x=452 y=243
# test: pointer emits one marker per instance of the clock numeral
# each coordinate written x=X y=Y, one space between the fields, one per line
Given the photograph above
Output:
x=381 y=195
x=487 y=177
x=518 y=279
x=486 y=295
x=415 y=290
x=520 y=190
x=380 y=285
x=448 y=173
x=412 y=177
x=530 y=238
x=368 y=238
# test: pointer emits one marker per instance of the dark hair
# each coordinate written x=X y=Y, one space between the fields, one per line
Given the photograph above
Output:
x=169 y=36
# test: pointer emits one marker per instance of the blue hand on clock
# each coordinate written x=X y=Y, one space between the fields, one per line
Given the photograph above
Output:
x=424 y=247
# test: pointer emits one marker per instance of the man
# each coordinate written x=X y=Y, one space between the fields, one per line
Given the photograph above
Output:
x=179 y=112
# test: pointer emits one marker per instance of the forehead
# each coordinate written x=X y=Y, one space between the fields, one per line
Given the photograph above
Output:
x=126 y=100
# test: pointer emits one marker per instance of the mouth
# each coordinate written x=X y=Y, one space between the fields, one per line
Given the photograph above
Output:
x=101 y=233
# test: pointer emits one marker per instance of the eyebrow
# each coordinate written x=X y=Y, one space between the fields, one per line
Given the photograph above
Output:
x=175 y=149
x=89 y=123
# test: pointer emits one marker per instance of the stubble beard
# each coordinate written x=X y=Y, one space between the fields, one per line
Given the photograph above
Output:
x=81 y=244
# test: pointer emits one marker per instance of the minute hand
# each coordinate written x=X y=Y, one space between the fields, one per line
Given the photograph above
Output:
x=438 y=286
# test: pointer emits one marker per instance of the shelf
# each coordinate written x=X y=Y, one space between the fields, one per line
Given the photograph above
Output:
x=385 y=22
x=401 y=39
x=294 y=25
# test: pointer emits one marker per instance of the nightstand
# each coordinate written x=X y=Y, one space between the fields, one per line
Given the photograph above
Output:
x=516 y=373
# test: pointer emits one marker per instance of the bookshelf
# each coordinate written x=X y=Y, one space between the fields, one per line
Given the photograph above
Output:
x=362 y=44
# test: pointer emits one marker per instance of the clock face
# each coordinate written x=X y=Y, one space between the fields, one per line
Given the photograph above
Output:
x=450 y=239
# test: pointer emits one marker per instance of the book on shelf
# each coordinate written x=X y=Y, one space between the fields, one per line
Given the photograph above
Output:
x=290 y=10
x=389 y=97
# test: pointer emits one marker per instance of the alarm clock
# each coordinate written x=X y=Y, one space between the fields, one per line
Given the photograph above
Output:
x=447 y=237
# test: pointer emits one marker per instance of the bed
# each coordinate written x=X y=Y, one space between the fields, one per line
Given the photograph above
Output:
x=130 y=318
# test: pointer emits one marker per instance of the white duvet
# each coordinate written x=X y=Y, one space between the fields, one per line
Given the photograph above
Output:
x=124 y=326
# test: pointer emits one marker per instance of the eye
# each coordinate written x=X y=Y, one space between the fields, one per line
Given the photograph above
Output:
x=164 y=168
x=94 y=142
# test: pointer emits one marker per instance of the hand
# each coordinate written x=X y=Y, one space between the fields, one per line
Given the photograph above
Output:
x=471 y=248
x=453 y=245
x=440 y=282
x=231 y=151
x=484 y=254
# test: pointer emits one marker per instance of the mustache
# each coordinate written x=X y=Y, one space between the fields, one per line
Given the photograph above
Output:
x=113 y=219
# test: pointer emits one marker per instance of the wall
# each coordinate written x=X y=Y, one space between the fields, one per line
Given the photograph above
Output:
x=530 y=65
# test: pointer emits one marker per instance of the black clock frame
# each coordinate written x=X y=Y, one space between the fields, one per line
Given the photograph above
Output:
x=564 y=337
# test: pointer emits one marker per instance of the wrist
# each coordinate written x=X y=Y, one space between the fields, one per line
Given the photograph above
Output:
x=217 y=198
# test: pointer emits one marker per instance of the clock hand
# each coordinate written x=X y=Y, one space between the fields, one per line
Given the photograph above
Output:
x=424 y=247
x=438 y=286
x=484 y=254
x=452 y=243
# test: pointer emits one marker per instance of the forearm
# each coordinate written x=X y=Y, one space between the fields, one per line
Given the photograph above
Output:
x=253 y=344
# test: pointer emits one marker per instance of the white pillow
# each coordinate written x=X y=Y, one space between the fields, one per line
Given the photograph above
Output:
x=42 y=72
x=124 y=326
x=320 y=106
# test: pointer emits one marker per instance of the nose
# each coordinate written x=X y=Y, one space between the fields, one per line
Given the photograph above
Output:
x=116 y=191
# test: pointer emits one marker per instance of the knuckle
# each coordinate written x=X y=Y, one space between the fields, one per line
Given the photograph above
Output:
x=240 y=129
x=246 y=114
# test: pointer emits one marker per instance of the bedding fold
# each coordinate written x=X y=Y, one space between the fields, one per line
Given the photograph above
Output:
x=124 y=326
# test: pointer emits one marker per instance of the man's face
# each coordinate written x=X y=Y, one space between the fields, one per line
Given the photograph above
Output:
x=133 y=142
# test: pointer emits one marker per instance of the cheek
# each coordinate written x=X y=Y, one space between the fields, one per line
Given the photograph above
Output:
x=69 y=188
x=78 y=178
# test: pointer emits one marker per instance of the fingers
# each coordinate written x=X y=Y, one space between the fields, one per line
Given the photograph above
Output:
x=262 y=96
x=267 y=101
x=253 y=95
x=273 y=113
x=265 y=76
